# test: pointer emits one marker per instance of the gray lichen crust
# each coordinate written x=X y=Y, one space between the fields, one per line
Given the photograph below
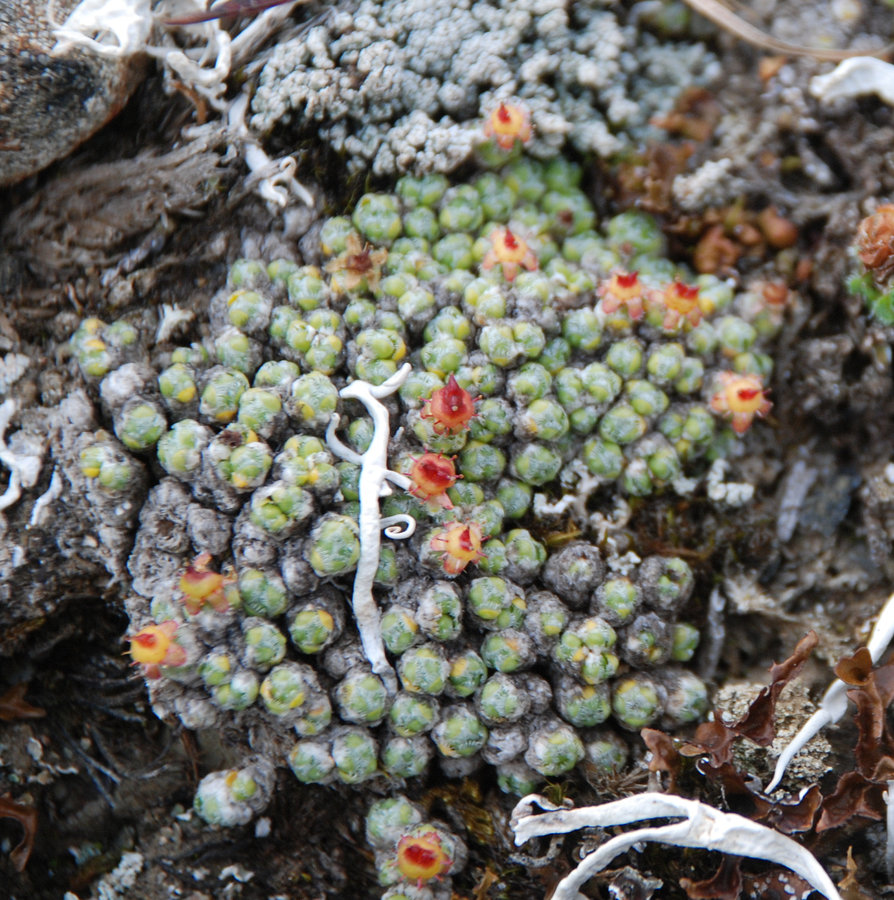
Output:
x=399 y=86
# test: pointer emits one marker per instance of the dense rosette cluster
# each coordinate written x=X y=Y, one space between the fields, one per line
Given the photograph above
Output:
x=548 y=356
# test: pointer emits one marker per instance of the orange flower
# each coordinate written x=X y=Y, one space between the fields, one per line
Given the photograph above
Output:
x=622 y=289
x=153 y=646
x=510 y=251
x=680 y=301
x=432 y=475
x=421 y=856
x=201 y=586
x=741 y=398
x=508 y=123
x=460 y=543
x=451 y=407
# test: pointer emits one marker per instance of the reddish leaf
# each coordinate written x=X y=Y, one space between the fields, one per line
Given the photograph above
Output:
x=792 y=817
x=713 y=738
x=665 y=757
x=870 y=719
x=736 y=790
x=13 y=705
x=854 y=795
x=724 y=884
x=26 y=816
x=884 y=681
x=226 y=8
x=757 y=724
x=855 y=669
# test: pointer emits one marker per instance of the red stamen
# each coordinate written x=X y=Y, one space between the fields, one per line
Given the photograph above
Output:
x=503 y=114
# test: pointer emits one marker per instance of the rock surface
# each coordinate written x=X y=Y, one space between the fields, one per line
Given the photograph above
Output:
x=49 y=104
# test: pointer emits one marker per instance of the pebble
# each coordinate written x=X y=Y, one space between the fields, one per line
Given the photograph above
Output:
x=49 y=105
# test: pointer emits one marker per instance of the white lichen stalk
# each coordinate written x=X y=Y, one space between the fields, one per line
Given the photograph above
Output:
x=702 y=827
x=834 y=703
x=374 y=475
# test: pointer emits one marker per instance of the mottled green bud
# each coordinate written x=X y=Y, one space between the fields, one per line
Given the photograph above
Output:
x=583 y=705
x=622 y=424
x=667 y=583
x=514 y=496
x=279 y=508
x=220 y=395
x=684 y=641
x=508 y=650
x=388 y=819
x=554 y=749
x=238 y=693
x=498 y=343
x=265 y=644
x=635 y=702
x=617 y=600
x=426 y=190
x=412 y=714
x=502 y=700
x=496 y=603
x=238 y=351
x=217 y=667
x=109 y=465
x=279 y=270
x=404 y=757
x=312 y=400
x=248 y=311
x=734 y=335
x=467 y=673
x=311 y=762
x=582 y=330
x=601 y=383
x=687 y=697
x=535 y=464
x=263 y=593
x=307 y=290
x=460 y=733
x=362 y=698
x=355 y=754
x=443 y=355
x=177 y=386
x=400 y=629
x=247 y=273
x=555 y=355
x=287 y=688
x=423 y=670
x=439 y=613
x=333 y=546
x=461 y=209
x=518 y=779
x=139 y=424
x=634 y=233
x=543 y=420
x=607 y=753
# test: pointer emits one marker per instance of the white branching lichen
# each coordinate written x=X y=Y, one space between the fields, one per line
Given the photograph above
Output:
x=23 y=458
x=374 y=475
x=834 y=703
x=856 y=77
x=702 y=827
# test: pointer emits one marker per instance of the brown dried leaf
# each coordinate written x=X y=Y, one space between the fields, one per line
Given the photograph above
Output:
x=714 y=738
x=665 y=757
x=14 y=706
x=757 y=724
x=854 y=795
x=26 y=816
x=736 y=791
x=855 y=669
x=798 y=816
x=724 y=884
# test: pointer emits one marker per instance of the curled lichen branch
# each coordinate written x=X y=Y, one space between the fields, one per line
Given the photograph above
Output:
x=374 y=473
x=702 y=827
